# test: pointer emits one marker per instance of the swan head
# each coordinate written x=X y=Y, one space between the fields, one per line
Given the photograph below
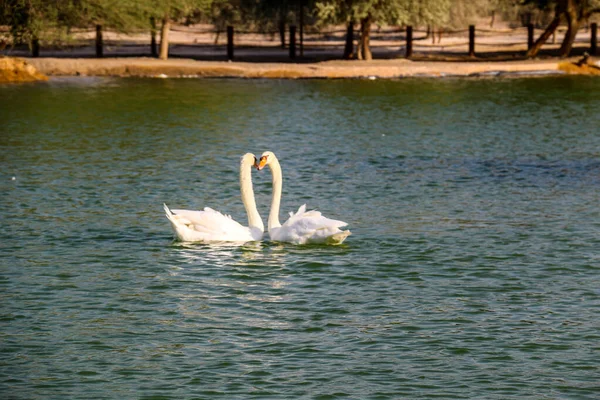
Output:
x=249 y=159
x=265 y=159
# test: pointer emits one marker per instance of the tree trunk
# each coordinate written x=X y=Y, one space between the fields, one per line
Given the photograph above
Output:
x=594 y=39
x=433 y=35
x=293 y=42
x=364 y=48
x=493 y=18
x=164 y=39
x=537 y=46
x=349 y=47
x=282 y=32
x=573 y=23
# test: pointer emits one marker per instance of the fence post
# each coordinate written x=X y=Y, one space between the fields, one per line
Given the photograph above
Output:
x=302 y=27
x=293 y=42
x=471 y=40
x=409 y=40
x=529 y=36
x=153 y=48
x=229 y=43
x=594 y=44
x=35 y=47
x=99 y=42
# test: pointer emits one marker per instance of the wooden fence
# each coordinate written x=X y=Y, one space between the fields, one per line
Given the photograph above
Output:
x=406 y=40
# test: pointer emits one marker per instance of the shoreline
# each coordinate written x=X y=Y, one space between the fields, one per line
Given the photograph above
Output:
x=336 y=69
x=195 y=52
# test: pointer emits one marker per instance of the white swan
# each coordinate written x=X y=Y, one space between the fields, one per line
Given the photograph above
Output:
x=212 y=226
x=304 y=226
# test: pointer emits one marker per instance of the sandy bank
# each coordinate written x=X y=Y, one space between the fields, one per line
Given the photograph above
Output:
x=150 y=67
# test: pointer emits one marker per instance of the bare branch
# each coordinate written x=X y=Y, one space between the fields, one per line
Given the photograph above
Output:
x=592 y=11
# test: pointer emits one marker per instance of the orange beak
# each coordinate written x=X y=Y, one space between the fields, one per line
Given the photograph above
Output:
x=261 y=163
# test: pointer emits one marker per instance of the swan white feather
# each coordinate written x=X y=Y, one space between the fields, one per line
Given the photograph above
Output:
x=210 y=225
x=302 y=227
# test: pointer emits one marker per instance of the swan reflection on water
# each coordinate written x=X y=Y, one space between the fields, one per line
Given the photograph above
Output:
x=228 y=254
x=240 y=277
x=256 y=282
x=252 y=254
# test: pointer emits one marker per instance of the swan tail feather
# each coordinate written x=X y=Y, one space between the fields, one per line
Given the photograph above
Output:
x=169 y=214
x=175 y=224
x=181 y=225
x=338 y=238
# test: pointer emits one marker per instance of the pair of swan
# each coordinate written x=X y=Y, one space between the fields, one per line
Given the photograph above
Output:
x=301 y=228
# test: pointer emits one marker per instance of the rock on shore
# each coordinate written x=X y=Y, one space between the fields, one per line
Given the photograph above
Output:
x=14 y=70
x=584 y=66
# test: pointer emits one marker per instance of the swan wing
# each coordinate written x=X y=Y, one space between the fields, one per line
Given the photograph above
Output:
x=310 y=227
x=206 y=226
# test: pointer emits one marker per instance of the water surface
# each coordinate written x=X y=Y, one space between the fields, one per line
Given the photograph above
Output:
x=472 y=271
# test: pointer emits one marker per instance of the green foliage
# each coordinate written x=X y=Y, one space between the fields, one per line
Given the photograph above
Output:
x=466 y=12
x=120 y=15
x=27 y=19
x=394 y=12
x=30 y=19
x=174 y=9
x=586 y=7
x=225 y=12
x=427 y=12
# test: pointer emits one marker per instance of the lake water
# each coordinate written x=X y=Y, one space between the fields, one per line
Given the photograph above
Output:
x=473 y=271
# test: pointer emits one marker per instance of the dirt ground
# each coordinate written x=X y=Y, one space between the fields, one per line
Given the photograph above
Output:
x=197 y=51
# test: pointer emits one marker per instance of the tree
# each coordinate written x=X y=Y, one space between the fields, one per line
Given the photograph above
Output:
x=269 y=15
x=118 y=15
x=430 y=13
x=394 y=12
x=575 y=12
x=222 y=13
x=168 y=11
x=340 y=12
x=365 y=12
x=32 y=20
x=28 y=19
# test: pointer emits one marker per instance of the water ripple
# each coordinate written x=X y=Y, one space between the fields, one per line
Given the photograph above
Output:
x=472 y=271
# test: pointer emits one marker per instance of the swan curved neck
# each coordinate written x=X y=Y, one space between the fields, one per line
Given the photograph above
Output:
x=276 y=197
x=254 y=220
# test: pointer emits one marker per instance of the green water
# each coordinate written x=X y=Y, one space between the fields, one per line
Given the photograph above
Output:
x=473 y=271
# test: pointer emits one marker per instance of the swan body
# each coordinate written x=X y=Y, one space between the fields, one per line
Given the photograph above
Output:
x=303 y=227
x=309 y=227
x=210 y=225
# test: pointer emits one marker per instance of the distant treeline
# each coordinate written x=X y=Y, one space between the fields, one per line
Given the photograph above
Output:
x=32 y=21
